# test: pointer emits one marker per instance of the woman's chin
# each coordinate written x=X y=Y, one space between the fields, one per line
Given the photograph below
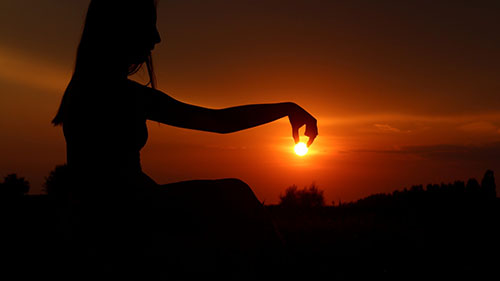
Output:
x=140 y=59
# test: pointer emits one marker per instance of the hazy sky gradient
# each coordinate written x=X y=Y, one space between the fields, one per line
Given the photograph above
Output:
x=405 y=92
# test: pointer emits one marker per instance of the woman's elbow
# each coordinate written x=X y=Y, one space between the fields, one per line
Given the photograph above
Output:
x=221 y=125
x=224 y=130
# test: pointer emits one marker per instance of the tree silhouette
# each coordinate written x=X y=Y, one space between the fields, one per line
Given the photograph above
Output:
x=417 y=188
x=432 y=187
x=488 y=186
x=13 y=186
x=472 y=186
x=305 y=198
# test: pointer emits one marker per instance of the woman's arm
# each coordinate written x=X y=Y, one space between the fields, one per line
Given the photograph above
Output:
x=168 y=110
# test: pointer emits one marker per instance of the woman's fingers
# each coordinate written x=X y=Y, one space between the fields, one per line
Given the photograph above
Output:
x=295 y=133
x=310 y=141
x=300 y=119
x=311 y=131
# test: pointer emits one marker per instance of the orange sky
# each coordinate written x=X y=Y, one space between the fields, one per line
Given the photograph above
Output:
x=405 y=92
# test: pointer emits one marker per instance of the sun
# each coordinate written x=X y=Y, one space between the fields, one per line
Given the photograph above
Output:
x=300 y=149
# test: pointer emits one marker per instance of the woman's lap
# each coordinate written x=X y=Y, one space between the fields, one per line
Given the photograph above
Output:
x=224 y=211
x=208 y=202
x=225 y=194
x=208 y=223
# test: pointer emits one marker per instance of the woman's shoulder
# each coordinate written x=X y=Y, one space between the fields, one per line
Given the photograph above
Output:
x=123 y=89
x=151 y=95
x=138 y=88
x=137 y=85
x=107 y=89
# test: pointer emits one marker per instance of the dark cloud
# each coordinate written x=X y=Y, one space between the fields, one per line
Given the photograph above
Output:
x=487 y=153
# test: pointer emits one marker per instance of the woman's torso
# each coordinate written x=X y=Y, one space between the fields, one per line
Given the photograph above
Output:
x=105 y=129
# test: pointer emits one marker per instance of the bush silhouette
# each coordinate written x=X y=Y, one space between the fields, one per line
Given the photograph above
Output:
x=13 y=186
x=472 y=186
x=303 y=198
x=488 y=186
x=56 y=184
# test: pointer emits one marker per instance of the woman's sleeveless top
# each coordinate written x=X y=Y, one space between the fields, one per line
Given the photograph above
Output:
x=105 y=129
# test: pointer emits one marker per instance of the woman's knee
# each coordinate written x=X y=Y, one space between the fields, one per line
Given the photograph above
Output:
x=237 y=183
x=237 y=194
x=223 y=191
x=234 y=185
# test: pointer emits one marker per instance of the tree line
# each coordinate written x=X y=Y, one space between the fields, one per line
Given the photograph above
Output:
x=313 y=197
x=56 y=183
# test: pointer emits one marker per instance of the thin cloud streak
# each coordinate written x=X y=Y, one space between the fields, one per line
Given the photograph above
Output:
x=489 y=152
x=378 y=118
x=31 y=71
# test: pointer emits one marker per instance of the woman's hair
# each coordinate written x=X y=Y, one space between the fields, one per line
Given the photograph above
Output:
x=112 y=29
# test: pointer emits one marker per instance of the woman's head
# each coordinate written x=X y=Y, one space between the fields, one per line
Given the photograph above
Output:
x=117 y=40
x=118 y=37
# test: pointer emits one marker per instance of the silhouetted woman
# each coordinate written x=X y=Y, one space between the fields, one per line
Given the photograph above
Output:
x=103 y=115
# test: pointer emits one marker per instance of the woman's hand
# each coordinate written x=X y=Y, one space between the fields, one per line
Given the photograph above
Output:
x=299 y=117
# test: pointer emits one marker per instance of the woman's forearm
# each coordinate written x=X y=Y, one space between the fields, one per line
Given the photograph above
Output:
x=238 y=118
x=168 y=110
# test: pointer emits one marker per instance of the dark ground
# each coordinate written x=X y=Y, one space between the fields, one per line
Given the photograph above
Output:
x=411 y=236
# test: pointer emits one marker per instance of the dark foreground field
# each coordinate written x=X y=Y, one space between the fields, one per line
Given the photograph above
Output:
x=414 y=235
x=397 y=241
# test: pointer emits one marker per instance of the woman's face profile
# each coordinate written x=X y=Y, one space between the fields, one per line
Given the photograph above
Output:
x=143 y=38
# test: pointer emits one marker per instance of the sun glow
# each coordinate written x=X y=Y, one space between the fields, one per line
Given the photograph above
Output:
x=300 y=149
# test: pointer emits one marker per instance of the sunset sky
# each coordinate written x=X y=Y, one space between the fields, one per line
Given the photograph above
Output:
x=405 y=92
